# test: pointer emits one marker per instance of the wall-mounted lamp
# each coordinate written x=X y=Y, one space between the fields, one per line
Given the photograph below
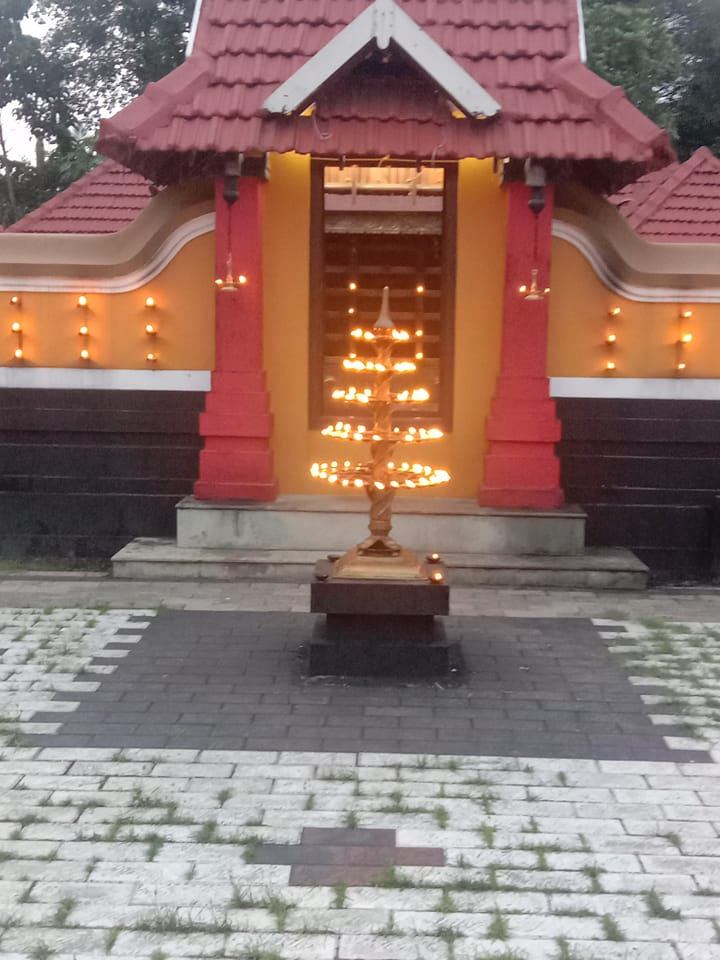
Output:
x=82 y=301
x=84 y=334
x=611 y=339
x=15 y=300
x=685 y=338
x=151 y=330
x=17 y=329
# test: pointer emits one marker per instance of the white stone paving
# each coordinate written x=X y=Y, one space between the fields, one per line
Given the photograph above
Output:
x=149 y=853
x=680 y=661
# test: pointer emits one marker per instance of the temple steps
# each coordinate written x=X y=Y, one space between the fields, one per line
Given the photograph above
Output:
x=596 y=569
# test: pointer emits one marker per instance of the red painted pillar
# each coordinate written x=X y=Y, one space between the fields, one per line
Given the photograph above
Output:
x=521 y=466
x=236 y=462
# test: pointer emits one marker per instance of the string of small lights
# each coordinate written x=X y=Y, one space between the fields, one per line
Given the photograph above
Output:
x=82 y=304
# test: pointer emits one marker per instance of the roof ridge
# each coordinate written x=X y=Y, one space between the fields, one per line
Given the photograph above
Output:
x=106 y=193
x=62 y=195
x=162 y=96
x=649 y=207
x=611 y=102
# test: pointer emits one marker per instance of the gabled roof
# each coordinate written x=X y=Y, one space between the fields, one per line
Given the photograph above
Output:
x=525 y=53
x=382 y=23
x=105 y=200
x=679 y=204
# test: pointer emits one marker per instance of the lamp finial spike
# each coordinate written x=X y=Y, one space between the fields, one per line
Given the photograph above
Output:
x=384 y=320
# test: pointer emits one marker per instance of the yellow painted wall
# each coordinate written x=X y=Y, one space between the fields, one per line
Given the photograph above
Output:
x=480 y=274
x=647 y=333
x=185 y=317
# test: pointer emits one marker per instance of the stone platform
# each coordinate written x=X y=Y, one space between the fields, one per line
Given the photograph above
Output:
x=331 y=524
x=283 y=541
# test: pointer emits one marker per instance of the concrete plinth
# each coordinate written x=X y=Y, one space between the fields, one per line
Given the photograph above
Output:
x=329 y=524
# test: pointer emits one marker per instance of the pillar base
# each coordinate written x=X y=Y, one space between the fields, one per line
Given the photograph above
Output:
x=218 y=490
x=522 y=468
x=237 y=462
x=533 y=499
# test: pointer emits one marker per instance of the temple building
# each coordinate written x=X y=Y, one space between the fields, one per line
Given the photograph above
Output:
x=174 y=323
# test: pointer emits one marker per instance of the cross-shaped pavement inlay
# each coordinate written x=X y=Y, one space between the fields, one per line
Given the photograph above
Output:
x=355 y=857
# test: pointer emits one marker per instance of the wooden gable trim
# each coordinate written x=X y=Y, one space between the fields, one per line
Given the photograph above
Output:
x=383 y=22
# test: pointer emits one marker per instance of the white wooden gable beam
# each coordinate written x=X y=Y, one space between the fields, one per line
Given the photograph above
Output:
x=383 y=23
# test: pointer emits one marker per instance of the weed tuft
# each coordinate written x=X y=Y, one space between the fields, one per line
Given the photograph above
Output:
x=110 y=938
x=499 y=928
x=340 y=895
x=611 y=929
x=656 y=908
x=63 y=911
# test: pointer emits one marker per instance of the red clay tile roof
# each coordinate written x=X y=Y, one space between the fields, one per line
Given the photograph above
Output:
x=105 y=200
x=525 y=53
x=680 y=204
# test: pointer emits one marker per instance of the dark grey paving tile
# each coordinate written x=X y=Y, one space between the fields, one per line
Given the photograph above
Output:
x=539 y=687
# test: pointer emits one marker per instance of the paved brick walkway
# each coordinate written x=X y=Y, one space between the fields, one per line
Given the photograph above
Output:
x=234 y=680
x=590 y=830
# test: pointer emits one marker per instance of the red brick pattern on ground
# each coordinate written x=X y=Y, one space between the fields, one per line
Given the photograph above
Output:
x=354 y=857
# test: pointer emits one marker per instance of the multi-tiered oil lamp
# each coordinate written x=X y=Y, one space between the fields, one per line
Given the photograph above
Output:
x=379 y=556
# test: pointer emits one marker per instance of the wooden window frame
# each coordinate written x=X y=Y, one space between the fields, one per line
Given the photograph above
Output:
x=318 y=417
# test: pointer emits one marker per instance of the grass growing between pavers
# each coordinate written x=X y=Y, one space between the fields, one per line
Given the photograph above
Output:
x=43 y=650
x=681 y=660
x=498 y=874
x=127 y=850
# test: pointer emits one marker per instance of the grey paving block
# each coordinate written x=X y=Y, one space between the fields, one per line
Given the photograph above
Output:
x=233 y=680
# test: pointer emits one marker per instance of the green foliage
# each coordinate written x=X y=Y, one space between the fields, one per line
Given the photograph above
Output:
x=109 y=51
x=631 y=44
x=697 y=24
x=666 y=55
x=95 y=56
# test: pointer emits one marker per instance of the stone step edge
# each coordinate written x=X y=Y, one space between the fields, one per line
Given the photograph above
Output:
x=166 y=551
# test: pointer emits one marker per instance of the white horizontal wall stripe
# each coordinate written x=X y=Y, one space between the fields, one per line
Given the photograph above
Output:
x=70 y=378
x=582 y=242
x=630 y=388
x=122 y=284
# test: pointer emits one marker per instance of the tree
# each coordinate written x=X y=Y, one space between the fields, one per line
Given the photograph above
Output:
x=697 y=25
x=109 y=50
x=666 y=55
x=95 y=57
x=632 y=44
x=34 y=85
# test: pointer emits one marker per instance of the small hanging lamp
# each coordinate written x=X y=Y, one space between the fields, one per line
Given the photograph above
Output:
x=229 y=283
x=535 y=179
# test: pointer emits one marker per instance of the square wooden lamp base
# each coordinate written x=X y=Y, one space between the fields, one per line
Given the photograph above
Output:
x=381 y=626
